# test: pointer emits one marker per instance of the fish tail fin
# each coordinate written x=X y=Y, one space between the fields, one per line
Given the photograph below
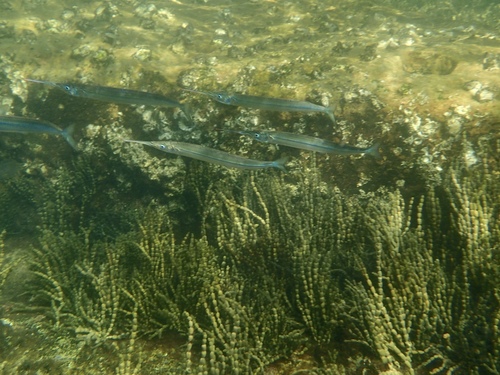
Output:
x=186 y=109
x=68 y=136
x=331 y=115
x=373 y=151
x=280 y=163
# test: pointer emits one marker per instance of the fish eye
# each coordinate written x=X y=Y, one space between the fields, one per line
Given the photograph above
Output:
x=67 y=87
x=163 y=147
x=220 y=96
x=256 y=135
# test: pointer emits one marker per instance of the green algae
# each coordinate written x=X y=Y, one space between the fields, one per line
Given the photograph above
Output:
x=145 y=263
x=271 y=268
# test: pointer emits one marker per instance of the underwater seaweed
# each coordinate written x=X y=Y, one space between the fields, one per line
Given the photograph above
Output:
x=274 y=270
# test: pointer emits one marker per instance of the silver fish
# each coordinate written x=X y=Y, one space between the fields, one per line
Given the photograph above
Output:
x=211 y=155
x=270 y=104
x=116 y=95
x=305 y=142
x=14 y=124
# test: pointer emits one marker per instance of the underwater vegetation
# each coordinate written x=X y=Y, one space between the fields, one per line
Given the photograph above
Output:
x=4 y=270
x=273 y=274
x=122 y=259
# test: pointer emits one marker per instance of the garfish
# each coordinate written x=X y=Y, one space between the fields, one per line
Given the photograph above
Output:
x=211 y=155
x=305 y=142
x=14 y=124
x=116 y=95
x=270 y=104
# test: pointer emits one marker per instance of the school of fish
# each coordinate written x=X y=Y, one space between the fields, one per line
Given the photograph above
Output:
x=16 y=124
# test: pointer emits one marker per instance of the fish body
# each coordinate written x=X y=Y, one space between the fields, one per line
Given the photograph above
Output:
x=14 y=124
x=305 y=142
x=116 y=95
x=211 y=155
x=270 y=104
